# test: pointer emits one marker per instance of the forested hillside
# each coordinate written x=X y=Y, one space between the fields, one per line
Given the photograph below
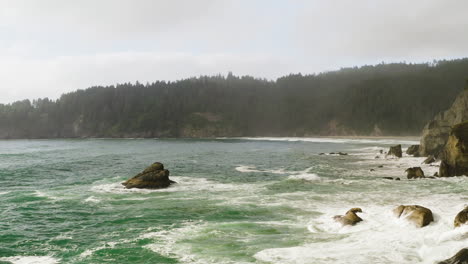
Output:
x=386 y=99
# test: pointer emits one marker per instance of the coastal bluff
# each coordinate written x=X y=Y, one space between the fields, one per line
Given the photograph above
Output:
x=436 y=133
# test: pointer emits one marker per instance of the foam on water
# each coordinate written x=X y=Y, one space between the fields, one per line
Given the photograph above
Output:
x=184 y=184
x=387 y=141
x=31 y=260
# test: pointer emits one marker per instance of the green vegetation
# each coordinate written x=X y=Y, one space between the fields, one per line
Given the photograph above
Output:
x=385 y=99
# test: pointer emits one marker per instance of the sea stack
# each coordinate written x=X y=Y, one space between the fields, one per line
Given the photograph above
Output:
x=455 y=153
x=435 y=134
x=461 y=218
x=153 y=177
x=396 y=151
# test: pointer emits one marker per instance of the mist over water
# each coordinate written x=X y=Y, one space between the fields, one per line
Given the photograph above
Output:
x=258 y=200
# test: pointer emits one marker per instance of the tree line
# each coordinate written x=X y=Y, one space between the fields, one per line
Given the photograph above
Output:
x=384 y=99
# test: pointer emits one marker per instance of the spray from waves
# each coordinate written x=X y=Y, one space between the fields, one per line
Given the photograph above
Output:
x=2 y=193
x=294 y=175
x=30 y=260
x=380 y=238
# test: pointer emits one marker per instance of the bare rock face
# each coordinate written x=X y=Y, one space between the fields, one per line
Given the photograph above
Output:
x=435 y=134
x=430 y=159
x=413 y=150
x=350 y=218
x=418 y=215
x=461 y=218
x=455 y=153
x=396 y=151
x=460 y=258
x=414 y=173
x=153 y=177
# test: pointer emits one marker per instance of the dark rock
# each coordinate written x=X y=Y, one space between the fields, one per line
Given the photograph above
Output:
x=395 y=151
x=414 y=173
x=460 y=258
x=418 y=215
x=436 y=174
x=371 y=170
x=153 y=177
x=391 y=178
x=377 y=157
x=322 y=153
x=435 y=134
x=350 y=218
x=397 y=178
x=413 y=150
x=461 y=218
x=430 y=159
x=381 y=151
x=380 y=166
x=342 y=153
x=455 y=153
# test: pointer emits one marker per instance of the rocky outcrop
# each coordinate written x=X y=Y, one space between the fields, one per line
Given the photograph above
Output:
x=153 y=177
x=395 y=151
x=435 y=134
x=413 y=150
x=455 y=153
x=418 y=215
x=461 y=218
x=414 y=173
x=350 y=218
x=430 y=159
x=460 y=258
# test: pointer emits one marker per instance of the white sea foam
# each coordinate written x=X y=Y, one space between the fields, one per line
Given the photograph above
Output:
x=45 y=195
x=31 y=260
x=184 y=184
x=2 y=193
x=92 y=199
x=337 y=140
x=305 y=177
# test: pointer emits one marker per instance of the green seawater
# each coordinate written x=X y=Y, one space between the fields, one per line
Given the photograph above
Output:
x=236 y=201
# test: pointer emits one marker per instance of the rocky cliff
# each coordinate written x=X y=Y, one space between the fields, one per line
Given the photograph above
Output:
x=455 y=153
x=436 y=132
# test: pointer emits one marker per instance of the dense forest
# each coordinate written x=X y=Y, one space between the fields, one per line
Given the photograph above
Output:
x=385 y=99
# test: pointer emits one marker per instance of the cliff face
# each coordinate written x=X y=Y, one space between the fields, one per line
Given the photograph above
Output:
x=435 y=134
x=455 y=153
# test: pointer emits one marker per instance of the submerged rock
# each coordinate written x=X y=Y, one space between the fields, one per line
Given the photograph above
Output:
x=460 y=258
x=391 y=178
x=455 y=153
x=395 y=151
x=461 y=218
x=153 y=177
x=435 y=134
x=413 y=150
x=350 y=218
x=414 y=173
x=418 y=215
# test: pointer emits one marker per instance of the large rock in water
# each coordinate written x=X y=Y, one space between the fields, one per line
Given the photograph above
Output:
x=435 y=134
x=153 y=177
x=413 y=150
x=461 y=218
x=396 y=151
x=455 y=153
x=350 y=218
x=460 y=258
x=414 y=173
x=418 y=215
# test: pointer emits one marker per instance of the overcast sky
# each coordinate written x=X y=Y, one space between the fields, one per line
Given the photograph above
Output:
x=49 y=47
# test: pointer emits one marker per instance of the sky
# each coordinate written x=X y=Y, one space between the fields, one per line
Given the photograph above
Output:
x=51 y=47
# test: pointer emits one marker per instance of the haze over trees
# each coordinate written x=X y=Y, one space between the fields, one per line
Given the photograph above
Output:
x=385 y=99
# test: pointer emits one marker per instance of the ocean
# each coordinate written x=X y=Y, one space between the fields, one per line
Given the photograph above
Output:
x=237 y=200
